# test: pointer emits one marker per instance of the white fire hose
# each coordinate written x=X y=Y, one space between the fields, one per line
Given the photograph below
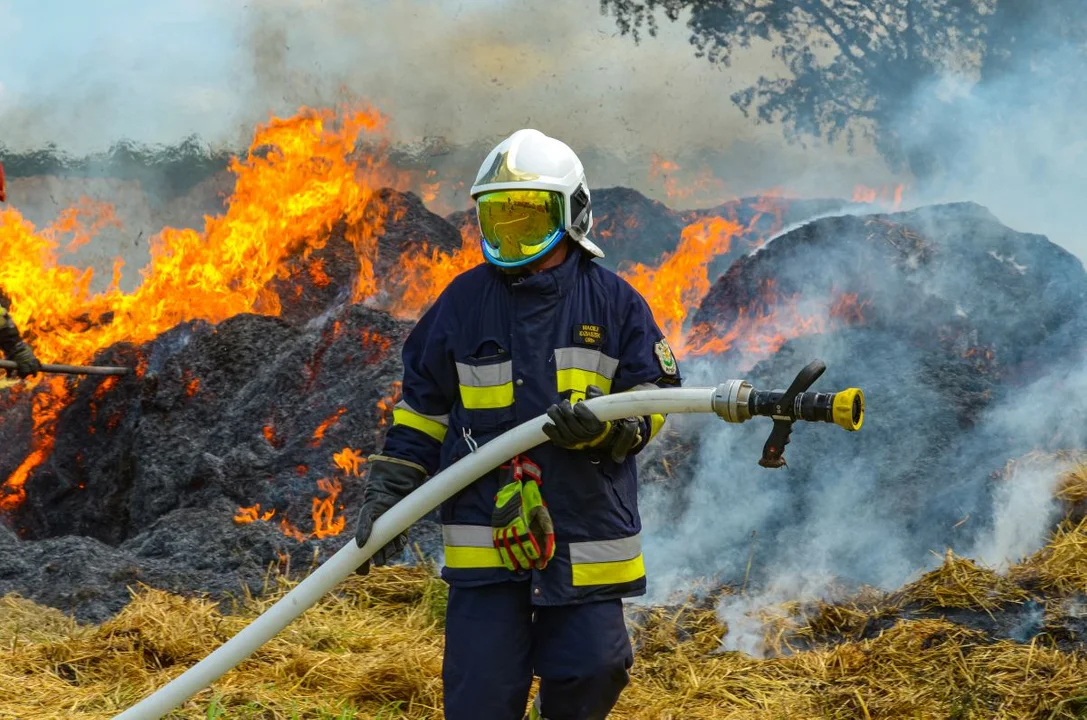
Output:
x=729 y=400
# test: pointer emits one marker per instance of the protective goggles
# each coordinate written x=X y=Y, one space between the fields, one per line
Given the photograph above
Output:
x=519 y=226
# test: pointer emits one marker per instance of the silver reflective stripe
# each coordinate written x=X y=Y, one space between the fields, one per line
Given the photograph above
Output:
x=440 y=419
x=467 y=536
x=586 y=359
x=485 y=375
x=606 y=550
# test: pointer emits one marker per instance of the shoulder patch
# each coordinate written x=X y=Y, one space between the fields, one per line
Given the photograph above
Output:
x=590 y=335
x=665 y=357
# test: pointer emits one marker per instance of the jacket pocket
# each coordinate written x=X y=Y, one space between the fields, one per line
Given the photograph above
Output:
x=485 y=383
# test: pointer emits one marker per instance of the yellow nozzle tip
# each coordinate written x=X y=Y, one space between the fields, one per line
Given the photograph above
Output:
x=847 y=411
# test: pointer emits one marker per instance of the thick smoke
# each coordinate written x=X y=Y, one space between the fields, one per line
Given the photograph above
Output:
x=1017 y=146
x=847 y=513
x=879 y=507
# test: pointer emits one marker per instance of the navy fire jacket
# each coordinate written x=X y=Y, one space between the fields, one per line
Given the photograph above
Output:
x=496 y=350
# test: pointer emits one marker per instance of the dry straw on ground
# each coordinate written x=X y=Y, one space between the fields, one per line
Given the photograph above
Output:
x=374 y=649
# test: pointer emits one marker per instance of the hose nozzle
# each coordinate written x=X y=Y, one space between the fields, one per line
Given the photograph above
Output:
x=737 y=401
x=847 y=409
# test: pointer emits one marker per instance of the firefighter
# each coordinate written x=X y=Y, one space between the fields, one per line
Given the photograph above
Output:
x=15 y=349
x=539 y=553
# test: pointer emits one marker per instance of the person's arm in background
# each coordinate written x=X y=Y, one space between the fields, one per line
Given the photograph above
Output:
x=11 y=342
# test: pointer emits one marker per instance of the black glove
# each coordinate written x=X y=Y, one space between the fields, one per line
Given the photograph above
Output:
x=389 y=481
x=576 y=427
x=26 y=364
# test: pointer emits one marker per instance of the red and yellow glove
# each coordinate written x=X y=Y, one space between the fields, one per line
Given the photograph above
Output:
x=521 y=524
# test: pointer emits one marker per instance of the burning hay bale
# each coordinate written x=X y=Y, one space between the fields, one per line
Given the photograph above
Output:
x=239 y=446
x=240 y=441
x=946 y=277
x=632 y=228
x=959 y=354
x=326 y=274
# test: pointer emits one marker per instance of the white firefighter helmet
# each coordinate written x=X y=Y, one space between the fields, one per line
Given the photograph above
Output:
x=530 y=192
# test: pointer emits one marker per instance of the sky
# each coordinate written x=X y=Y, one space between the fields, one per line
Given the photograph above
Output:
x=83 y=75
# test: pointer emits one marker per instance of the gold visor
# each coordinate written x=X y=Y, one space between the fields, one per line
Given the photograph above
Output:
x=519 y=226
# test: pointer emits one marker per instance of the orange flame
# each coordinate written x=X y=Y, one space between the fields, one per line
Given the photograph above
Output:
x=252 y=514
x=298 y=180
x=763 y=326
x=326 y=523
x=317 y=273
x=99 y=392
x=327 y=513
x=319 y=433
x=703 y=188
x=760 y=328
x=425 y=272
x=682 y=278
x=849 y=309
x=295 y=184
x=375 y=344
x=85 y=220
x=884 y=195
x=349 y=461
x=386 y=404
x=45 y=409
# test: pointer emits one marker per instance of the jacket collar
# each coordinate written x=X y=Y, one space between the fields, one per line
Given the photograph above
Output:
x=553 y=282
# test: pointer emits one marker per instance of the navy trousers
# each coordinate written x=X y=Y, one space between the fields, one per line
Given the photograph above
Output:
x=495 y=641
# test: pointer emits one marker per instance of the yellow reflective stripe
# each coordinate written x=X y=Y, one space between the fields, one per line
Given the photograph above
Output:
x=576 y=380
x=609 y=573
x=403 y=415
x=470 y=546
x=486 y=387
x=656 y=422
x=467 y=558
x=607 y=562
x=486 y=398
x=577 y=368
